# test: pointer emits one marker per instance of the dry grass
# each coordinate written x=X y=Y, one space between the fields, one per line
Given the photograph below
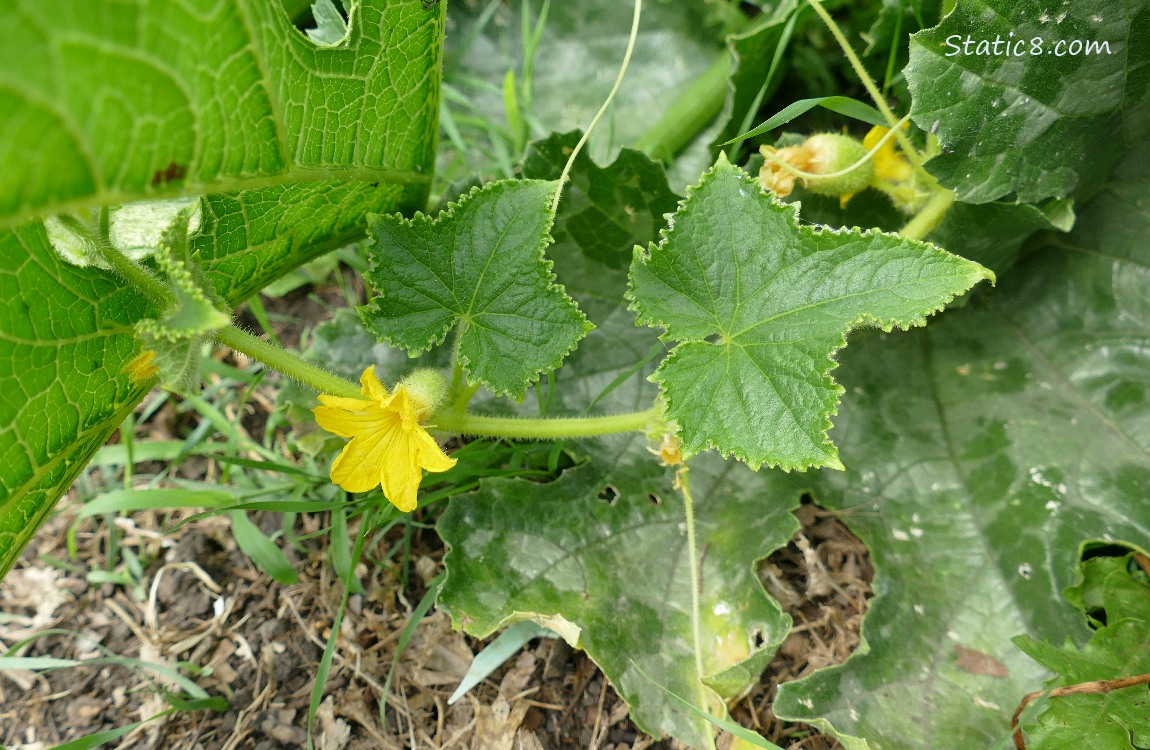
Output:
x=262 y=642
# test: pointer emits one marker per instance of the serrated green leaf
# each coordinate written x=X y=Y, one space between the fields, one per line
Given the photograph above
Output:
x=985 y=449
x=604 y=211
x=1119 y=648
x=758 y=306
x=301 y=178
x=1031 y=126
x=611 y=575
x=479 y=265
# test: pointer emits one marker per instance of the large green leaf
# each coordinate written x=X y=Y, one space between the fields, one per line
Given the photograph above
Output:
x=289 y=139
x=985 y=449
x=1120 y=648
x=65 y=338
x=600 y=556
x=477 y=267
x=758 y=306
x=127 y=100
x=1018 y=119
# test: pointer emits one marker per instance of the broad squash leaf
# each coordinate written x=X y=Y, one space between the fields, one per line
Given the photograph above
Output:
x=1031 y=100
x=985 y=449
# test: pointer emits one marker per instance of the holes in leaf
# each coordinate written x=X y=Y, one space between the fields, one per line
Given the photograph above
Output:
x=172 y=173
x=654 y=499
x=714 y=338
x=609 y=494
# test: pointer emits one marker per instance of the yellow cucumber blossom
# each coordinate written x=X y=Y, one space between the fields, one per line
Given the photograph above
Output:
x=390 y=445
x=893 y=174
x=889 y=164
x=817 y=162
x=143 y=368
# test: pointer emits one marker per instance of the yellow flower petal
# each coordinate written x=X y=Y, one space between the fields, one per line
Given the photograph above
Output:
x=889 y=164
x=372 y=388
x=389 y=447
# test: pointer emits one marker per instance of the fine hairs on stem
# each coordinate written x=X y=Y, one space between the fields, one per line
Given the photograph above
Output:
x=683 y=484
x=909 y=148
x=603 y=109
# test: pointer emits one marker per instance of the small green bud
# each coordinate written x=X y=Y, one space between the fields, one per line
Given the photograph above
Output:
x=427 y=389
x=830 y=153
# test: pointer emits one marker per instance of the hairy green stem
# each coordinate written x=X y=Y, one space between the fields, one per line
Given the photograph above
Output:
x=542 y=429
x=690 y=113
x=458 y=422
x=683 y=480
x=288 y=362
x=132 y=272
x=909 y=148
x=929 y=216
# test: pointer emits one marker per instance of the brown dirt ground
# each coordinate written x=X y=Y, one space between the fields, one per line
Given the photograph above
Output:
x=258 y=643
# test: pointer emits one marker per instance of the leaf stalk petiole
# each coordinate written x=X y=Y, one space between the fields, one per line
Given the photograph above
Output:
x=929 y=216
x=544 y=429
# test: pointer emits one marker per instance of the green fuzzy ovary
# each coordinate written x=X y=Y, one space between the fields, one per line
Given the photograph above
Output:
x=832 y=153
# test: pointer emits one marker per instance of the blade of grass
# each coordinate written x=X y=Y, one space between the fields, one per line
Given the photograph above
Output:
x=339 y=548
x=843 y=105
x=161 y=499
x=260 y=313
x=102 y=738
x=41 y=663
x=329 y=649
x=275 y=466
x=494 y=654
x=769 y=80
x=265 y=553
x=155 y=450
